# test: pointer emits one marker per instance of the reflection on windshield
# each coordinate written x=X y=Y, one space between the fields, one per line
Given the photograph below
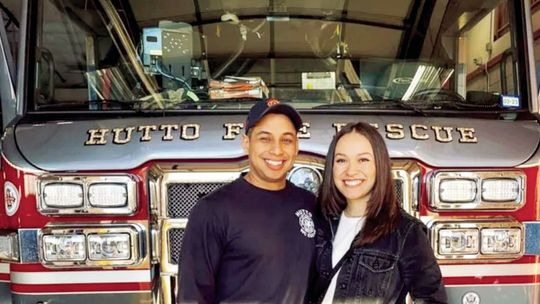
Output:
x=174 y=55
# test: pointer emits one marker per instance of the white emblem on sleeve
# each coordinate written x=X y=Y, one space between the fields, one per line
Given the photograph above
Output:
x=305 y=219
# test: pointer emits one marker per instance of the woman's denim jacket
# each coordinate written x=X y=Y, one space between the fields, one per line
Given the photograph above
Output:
x=385 y=271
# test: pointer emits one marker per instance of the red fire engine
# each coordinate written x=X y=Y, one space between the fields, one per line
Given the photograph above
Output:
x=117 y=116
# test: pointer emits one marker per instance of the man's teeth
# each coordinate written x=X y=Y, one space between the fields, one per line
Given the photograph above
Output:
x=353 y=182
x=274 y=162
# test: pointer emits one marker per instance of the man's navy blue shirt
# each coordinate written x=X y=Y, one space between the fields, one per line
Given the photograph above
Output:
x=246 y=244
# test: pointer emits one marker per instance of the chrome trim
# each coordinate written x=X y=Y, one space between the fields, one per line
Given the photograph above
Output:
x=156 y=247
x=137 y=238
x=463 y=223
x=11 y=251
x=168 y=288
x=166 y=267
x=318 y=169
x=477 y=203
x=154 y=203
x=86 y=182
x=416 y=192
x=408 y=172
x=153 y=194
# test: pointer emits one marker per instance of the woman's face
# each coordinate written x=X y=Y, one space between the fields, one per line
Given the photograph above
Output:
x=354 y=168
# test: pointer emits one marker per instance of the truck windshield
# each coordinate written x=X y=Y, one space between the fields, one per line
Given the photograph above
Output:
x=104 y=55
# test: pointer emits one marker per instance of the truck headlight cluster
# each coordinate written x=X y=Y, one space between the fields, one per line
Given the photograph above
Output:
x=451 y=190
x=113 y=246
x=471 y=239
x=58 y=248
x=91 y=246
x=87 y=195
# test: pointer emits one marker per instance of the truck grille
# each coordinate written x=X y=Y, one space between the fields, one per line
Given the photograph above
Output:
x=176 y=236
x=183 y=197
x=398 y=187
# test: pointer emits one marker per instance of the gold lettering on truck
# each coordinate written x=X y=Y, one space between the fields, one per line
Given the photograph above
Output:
x=190 y=131
x=438 y=134
x=467 y=135
x=303 y=131
x=127 y=137
x=338 y=126
x=232 y=130
x=146 y=132
x=96 y=137
x=416 y=135
x=395 y=131
x=168 y=131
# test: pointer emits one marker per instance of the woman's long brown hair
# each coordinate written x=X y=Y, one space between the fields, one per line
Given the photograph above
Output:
x=382 y=211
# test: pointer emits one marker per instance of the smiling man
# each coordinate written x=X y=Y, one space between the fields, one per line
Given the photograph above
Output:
x=252 y=240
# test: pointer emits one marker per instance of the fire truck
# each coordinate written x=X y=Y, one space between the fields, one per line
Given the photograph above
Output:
x=118 y=116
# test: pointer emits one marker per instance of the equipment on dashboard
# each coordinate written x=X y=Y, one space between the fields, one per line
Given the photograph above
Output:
x=237 y=87
x=167 y=50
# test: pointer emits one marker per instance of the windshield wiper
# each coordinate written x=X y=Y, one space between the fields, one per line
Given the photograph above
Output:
x=88 y=105
x=149 y=105
x=384 y=104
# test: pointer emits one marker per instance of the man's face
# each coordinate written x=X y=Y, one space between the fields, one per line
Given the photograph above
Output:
x=272 y=147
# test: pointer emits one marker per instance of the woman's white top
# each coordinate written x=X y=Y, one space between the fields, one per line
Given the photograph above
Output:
x=347 y=229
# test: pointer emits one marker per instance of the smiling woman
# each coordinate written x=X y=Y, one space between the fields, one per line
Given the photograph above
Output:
x=371 y=234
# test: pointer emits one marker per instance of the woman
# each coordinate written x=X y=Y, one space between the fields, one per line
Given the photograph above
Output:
x=368 y=249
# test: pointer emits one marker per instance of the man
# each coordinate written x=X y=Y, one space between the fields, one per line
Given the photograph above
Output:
x=252 y=240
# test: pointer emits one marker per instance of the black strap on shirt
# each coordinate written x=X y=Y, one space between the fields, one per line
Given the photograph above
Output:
x=321 y=285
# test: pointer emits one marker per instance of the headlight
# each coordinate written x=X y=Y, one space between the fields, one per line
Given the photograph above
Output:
x=108 y=195
x=503 y=190
x=306 y=178
x=477 y=239
x=109 y=247
x=458 y=241
x=63 y=195
x=457 y=190
x=68 y=248
x=94 y=245
x=500 y=190
x=498 y=241
x=87 y=195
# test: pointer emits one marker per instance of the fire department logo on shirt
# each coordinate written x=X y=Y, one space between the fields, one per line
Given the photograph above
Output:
x=307 y=227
